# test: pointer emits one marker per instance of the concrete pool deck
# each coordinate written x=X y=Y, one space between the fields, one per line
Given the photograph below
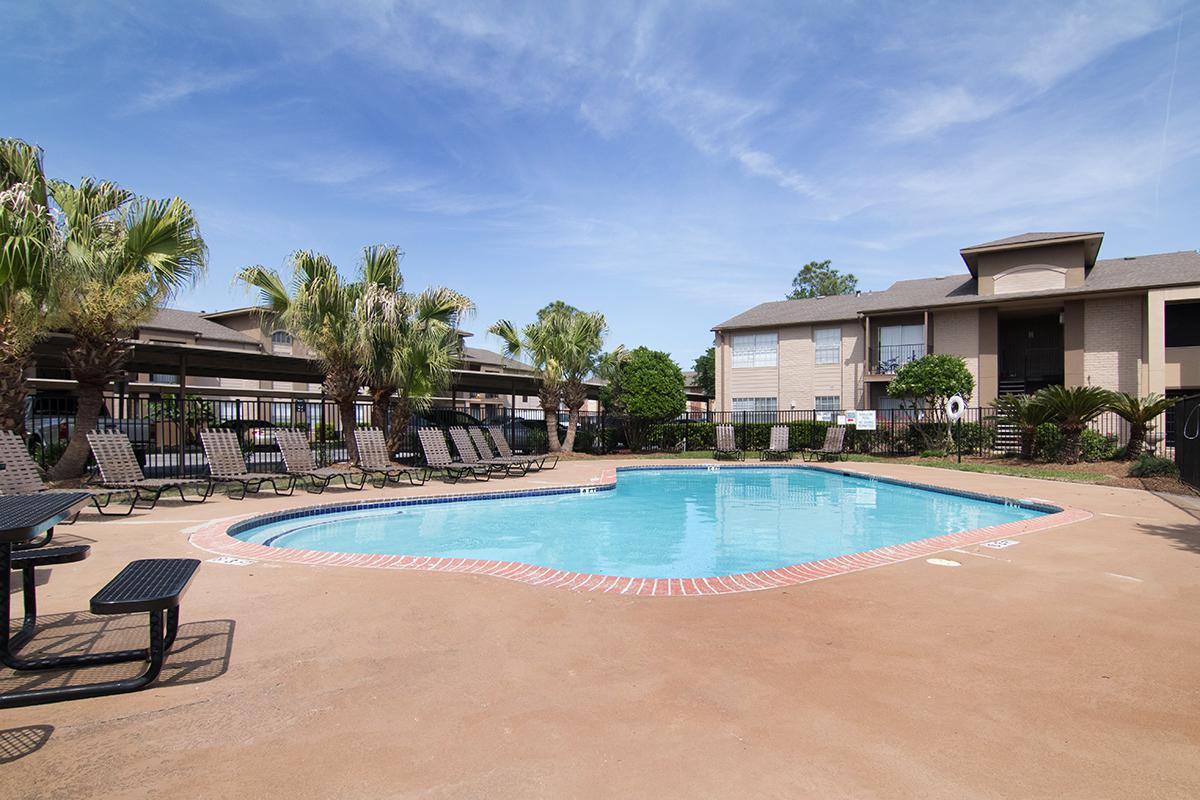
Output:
x=1062 y=666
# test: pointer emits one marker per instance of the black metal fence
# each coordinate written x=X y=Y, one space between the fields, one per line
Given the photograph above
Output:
x=1186 y=434
x=164 y=431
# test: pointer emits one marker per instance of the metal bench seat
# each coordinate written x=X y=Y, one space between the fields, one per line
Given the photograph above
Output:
x=148 y=584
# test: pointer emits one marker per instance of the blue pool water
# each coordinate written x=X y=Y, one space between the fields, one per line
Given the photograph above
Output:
x=657 y=523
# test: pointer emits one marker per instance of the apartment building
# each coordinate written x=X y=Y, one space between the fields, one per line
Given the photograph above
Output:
x=1030 y=310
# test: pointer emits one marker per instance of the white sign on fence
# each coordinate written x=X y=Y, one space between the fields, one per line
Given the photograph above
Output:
x=824 y=416
x=865 y=420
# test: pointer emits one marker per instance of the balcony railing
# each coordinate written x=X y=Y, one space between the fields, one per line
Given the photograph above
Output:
x=888 y=358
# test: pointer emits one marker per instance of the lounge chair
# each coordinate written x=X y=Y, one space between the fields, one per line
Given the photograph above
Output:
x=119 y=469
x=834 y=447
x=298 y=462
x=373 y=460
x=779 y=448
x=437 y=458
x=505 y=451
x=521 y=463
x=227 y=465
x=468 y=455
x=21 y=476
x=727 y=445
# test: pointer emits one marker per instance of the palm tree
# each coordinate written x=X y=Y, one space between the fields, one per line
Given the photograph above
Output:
x=1021 y=412
x=1072 y=409
x=409 y=342
x=319 y=309
x=29 y=245
x=582 y=338
x=124 y=257
x=1140 y=413
x=541 y=343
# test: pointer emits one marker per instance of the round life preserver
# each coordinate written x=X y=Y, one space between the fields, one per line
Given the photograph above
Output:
x=955 y=407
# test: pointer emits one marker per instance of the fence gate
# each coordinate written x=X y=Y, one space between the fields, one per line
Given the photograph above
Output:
x=1187 y=440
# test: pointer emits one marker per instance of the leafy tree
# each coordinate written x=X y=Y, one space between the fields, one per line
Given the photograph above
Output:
x=706 y=371
x=928 y=383
x=1021 y=412
x=646 y=387
x=30 y=245
x=124 y=257
x=564 y=345
x=1072 y=409
x=1140 y=413
x=820 y=279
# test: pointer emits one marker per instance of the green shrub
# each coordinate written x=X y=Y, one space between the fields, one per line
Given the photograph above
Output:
x=585 y=439
x=1096 y=447
x=1047 y=442
x=1148 y=466
x=933 y=454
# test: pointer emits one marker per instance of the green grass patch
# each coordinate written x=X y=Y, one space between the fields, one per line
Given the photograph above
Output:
x=1045 y=473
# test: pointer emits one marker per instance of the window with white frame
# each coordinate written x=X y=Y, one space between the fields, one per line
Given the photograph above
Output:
x=755 y=350
x=828 y=343
x=898 y=345
x=755 y=404
x=828 y=402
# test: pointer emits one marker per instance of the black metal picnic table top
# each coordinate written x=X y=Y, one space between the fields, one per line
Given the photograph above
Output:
x=25 y=516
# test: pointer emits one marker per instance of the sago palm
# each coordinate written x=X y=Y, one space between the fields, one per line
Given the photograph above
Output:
x=29 y=244
x=1140 y=413
x=1021 y=412
x=318 y=309
x=125 y=256
x=1072 y=409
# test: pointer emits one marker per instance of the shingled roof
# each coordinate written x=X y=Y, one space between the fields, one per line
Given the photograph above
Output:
x=1109 y=275
x=195 y=324
x=1044 y=237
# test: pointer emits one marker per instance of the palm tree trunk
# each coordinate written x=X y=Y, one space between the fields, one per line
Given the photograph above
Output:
x=345 y=406
x=87 y=415
x=13 y=393
x=549 y=402
x=1072 y=444
x=398 y=432
x=381 y=398
x=342 y=388
x=572 y=425
x=574 y=395
x=1137 y=441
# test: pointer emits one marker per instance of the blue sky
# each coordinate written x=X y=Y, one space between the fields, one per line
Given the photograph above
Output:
x=669 y=164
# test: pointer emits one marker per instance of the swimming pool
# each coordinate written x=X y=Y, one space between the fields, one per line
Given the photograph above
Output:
x=666 y=523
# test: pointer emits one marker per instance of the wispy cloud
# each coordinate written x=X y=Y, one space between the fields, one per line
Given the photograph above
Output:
x=162 y=92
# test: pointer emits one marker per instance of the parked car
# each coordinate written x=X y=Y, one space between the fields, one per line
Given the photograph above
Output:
x=50 y=422
x=254 y=434
x=444 y=418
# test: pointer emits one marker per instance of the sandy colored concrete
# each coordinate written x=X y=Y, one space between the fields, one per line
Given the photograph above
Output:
x=1065 y=666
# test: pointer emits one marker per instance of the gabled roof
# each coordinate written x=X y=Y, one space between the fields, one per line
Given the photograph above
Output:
x=1089 y=239
x=1109 y=275
x=192 y=323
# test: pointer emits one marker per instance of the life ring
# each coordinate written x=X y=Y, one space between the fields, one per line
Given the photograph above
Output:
x=955 y=407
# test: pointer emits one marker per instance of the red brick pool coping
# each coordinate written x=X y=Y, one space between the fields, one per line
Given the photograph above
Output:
x=214 y=538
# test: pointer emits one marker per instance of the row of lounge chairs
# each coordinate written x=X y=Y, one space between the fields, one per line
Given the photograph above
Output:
x=780 y=448
x=121 y=476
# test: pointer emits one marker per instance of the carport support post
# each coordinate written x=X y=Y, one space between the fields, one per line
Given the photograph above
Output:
x=512 y=411
x=183 y=365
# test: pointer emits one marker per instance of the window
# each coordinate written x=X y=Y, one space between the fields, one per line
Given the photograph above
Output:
x=281 y=342
x=898 y=345
x=829 y=402
x=1182 y=326
x=755 y=350
x=755 y=404
x=829 y=345
x=159 y=377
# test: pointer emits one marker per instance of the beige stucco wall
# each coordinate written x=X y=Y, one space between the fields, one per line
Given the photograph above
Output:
x=1174 y=368
x=1112 y=342
x=1068 y=258
x=797 y=380
x=956 y=333
x=795 y=367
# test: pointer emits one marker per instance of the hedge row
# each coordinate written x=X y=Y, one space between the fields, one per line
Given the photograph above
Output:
x=757 y=435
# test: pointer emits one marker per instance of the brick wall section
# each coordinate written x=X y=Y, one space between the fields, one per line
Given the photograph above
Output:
x=957 y=333
x=1112 y=342
x=795 y=367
